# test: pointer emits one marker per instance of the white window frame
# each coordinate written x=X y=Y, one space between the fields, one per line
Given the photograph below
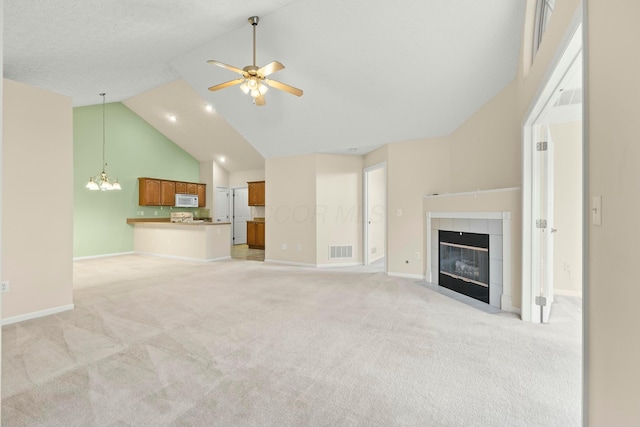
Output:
x=544 y=10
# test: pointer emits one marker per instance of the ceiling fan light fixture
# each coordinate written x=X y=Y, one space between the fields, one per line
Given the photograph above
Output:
x=253 y=80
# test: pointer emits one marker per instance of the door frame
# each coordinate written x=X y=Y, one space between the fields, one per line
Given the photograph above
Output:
x=232 y=210
x=365 y=213
x=569 y=51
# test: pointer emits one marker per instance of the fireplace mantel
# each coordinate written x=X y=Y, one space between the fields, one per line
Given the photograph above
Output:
x=496 y=224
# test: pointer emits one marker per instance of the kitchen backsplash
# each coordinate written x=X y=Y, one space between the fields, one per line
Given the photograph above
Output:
x=257 y=211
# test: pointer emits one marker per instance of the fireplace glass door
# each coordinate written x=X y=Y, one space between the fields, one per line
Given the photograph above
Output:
x=464 y=263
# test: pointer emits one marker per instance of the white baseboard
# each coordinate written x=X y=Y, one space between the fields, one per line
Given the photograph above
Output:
x=36 y=314
x=102 y=256
x=182 y=258
x=340 y=264
x=567 y=293
x=406 y=275
x=293 y=264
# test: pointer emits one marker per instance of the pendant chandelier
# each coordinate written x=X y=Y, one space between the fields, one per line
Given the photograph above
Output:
x=102 y=181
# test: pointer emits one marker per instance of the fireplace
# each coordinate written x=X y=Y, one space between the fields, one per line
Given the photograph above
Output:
x=464 y=263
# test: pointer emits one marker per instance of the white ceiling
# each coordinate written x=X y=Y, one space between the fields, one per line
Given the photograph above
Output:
x=373 y=71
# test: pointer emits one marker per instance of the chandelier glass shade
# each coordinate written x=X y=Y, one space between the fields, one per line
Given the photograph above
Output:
x=253 y=86
x=102 y=181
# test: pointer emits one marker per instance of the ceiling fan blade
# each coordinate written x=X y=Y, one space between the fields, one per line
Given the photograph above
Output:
x=260 y=101
x=226 y=84
x=270 y=68
x=228 y=67
x=292 y=90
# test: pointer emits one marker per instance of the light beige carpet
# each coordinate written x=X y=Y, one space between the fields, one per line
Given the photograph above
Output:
x=156 y=342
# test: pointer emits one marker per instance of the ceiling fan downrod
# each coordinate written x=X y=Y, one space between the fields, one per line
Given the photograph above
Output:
x=254 y=22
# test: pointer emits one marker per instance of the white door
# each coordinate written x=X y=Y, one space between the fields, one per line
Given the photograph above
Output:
x=542 y=271
x=375 y=221
x=222 y=204
x=241 y=214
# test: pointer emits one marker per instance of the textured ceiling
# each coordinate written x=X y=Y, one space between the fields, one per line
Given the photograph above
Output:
x=122 y=47
x=373 y=71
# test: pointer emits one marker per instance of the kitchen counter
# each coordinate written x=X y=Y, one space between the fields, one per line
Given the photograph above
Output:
x=167 y=221
x=196 y=241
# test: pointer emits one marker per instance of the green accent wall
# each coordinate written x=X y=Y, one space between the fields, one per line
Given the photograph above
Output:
x=133 y=149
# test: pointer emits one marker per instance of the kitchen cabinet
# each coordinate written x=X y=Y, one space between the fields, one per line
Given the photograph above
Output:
x=149 y=192
x=167 y=193
x=162 y=192
x=181 y=188
x=202 y=195
x=256 y=193
x=255 y=234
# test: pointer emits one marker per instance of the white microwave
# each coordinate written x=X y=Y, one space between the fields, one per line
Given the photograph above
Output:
x=186 y=201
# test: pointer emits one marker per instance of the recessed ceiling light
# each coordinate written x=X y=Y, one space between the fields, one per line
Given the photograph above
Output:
x=209 y=108
x=222 y=159
x=353 y=150
x=172 y=118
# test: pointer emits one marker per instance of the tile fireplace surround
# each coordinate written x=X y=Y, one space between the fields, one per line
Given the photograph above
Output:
x=498 y=226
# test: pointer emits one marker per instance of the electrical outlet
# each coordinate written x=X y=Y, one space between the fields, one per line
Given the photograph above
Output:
x=284 y=246
x=155 y=213
x=5 y=286
x=299 y=247
x=417 y=255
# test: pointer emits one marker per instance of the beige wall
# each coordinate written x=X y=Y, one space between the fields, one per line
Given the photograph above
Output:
x=567 y=218
x=414 y=168
x=313 y=201
x=377 y=156
x=290 y=211
x=339 y=206
x=377 y=199
x=613 y=317
x=486 y=149
x=36 y=250
x=206 y=177
x=214 y=175
x=240 y=179
x=1 y=168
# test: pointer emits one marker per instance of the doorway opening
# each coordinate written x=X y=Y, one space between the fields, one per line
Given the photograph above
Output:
x=553 y=187
x=240 y=214
x=375 y=216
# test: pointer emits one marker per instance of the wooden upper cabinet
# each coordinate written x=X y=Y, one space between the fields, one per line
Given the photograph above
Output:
x=161 y=192
x=167 y=193
x=149 y=192
x=181 y=188
x=256 y=193
x=202 y=195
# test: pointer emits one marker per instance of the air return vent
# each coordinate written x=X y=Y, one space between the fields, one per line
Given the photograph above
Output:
x=340 y=252
x=569 y=97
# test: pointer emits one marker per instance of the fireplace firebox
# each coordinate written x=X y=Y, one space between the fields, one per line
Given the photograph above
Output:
x=464 y=263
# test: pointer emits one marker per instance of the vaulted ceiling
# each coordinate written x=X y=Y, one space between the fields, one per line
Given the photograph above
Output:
x=373 y=71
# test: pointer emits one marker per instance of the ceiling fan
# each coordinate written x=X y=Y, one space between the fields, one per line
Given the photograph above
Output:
x=254 y=81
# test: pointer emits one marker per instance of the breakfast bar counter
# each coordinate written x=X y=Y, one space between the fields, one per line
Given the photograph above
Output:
x=194 y=240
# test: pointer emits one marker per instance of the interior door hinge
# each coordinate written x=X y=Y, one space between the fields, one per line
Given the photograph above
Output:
x=541 y=146
x=541 y=301
x=541 y=223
